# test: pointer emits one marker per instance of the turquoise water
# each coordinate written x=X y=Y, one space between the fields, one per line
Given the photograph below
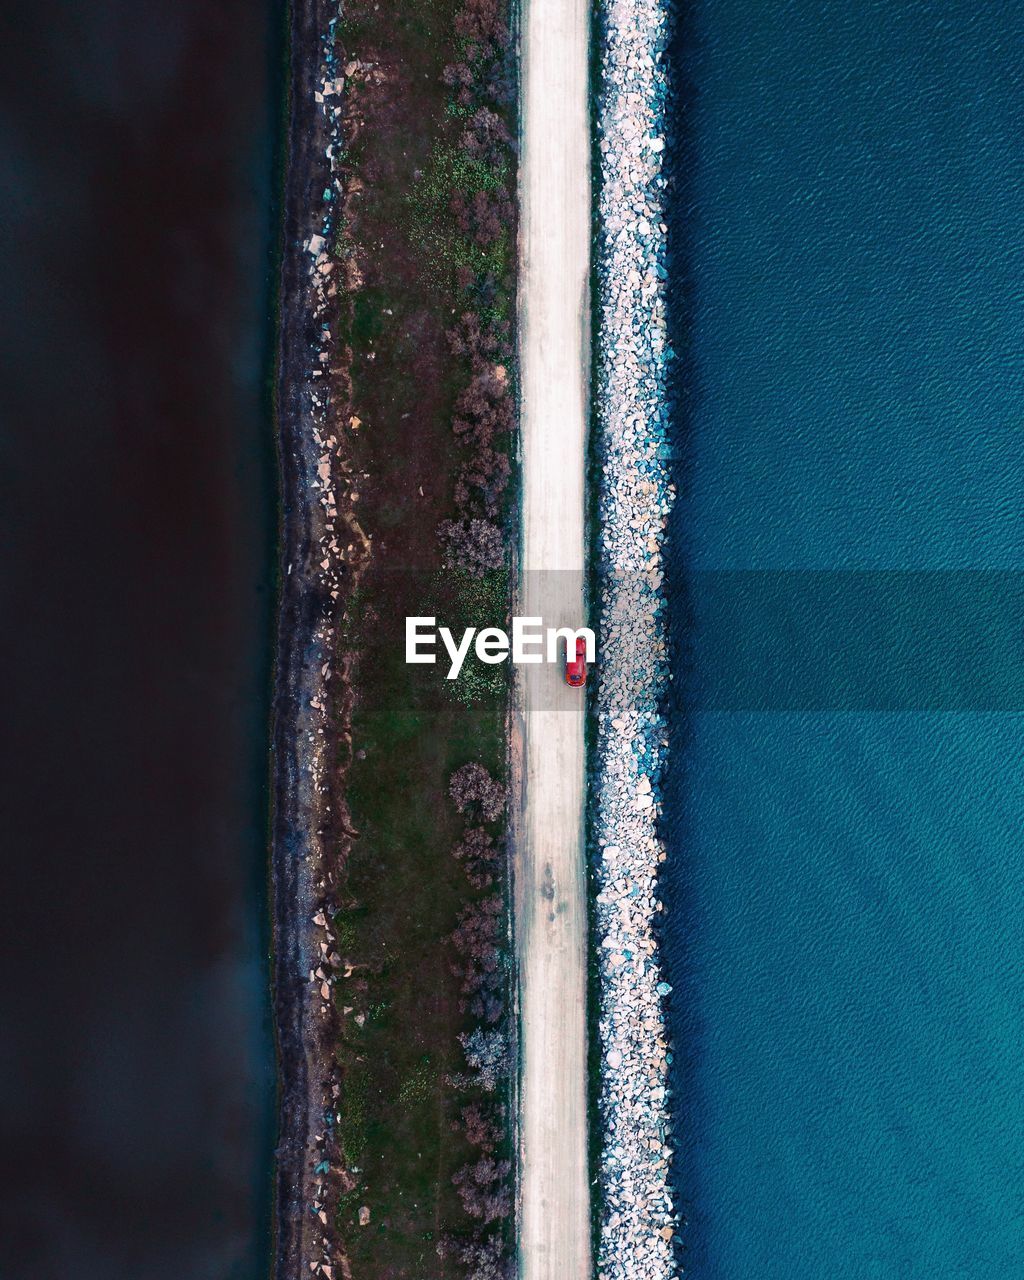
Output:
x=845 y=884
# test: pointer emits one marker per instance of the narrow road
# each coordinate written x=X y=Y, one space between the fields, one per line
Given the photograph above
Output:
x=550 y=898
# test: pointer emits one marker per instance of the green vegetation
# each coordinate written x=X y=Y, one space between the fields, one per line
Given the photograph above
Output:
x=460 y=600
x=401 y=1119
x=450 y=172
x=397 y=1111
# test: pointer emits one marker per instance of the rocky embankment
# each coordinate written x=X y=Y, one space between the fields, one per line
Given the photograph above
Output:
x=637 y=1222
x=323 y=552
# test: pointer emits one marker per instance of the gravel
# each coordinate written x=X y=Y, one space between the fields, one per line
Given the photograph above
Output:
x=638 y=1220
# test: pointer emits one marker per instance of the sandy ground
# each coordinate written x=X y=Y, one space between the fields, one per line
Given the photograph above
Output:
x=550 y=902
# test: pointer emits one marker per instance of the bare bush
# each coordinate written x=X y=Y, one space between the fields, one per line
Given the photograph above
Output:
x=473 y=545
x=483 y=216
x=484 y=409
x=486 y=1260
x=480 y=1128
x=486 y=1053
x=484 y=1189
x=482 y=342
x=483 y=73
x=479 y=855
x=482 y=480
x=475 y=792
x=479 y=963
x=484 y=414
x=486 y=138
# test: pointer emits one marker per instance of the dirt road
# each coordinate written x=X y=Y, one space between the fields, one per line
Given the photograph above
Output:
x=550 y=902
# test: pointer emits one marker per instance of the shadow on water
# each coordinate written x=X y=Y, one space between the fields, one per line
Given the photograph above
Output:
x=136 y=1063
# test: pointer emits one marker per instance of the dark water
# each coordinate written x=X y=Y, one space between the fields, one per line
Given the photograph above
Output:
x=136 y=1084
x=846 y=943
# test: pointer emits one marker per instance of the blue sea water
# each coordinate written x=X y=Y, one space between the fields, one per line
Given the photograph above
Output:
x=846 y=876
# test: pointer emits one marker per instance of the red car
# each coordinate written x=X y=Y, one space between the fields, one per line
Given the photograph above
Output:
x=576 y=668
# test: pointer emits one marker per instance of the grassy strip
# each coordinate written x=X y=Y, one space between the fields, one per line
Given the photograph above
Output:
x=403 y=1076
